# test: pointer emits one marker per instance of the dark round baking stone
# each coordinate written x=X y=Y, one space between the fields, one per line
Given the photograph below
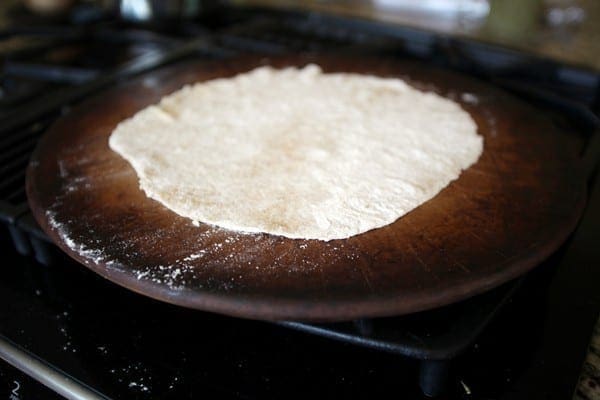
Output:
x=503 y=216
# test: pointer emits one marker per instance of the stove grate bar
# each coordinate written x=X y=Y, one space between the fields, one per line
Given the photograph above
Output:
x=48 y=104
x=50 y=73
x=15 y=137
x=12 y=156
x=52 y=377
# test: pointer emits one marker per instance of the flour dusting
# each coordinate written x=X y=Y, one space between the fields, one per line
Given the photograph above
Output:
x=90 y=255
x=469 y=98
x=169 y=275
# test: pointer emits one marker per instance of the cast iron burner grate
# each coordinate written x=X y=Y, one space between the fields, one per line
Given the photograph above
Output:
x=36 y=91
x=433 y=337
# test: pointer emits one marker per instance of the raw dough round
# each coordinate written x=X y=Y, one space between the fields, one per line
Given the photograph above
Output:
x=298 y=152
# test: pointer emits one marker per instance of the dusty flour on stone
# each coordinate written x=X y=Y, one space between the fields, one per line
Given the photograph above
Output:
x=298 y=152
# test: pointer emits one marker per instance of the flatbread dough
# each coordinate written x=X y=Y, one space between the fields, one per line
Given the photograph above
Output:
x=298 y=152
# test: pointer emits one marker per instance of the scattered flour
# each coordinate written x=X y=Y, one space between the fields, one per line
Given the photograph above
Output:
x=91 y=255
x=470 y=98
x=195 y=256
x=169 y=275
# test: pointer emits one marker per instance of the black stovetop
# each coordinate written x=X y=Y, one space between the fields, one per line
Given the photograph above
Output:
x=122 y=345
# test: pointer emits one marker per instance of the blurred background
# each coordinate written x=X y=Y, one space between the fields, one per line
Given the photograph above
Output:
x=566 y=30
